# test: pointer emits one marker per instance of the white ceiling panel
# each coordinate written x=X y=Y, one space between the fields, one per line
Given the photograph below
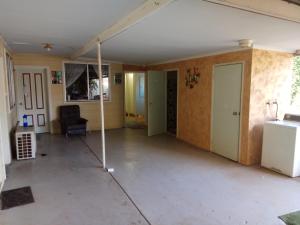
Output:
x=193 y=27
x=182 y=29
x=68 y=24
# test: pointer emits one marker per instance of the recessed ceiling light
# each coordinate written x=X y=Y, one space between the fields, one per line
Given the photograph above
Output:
x=246 y=43
x=20 y=43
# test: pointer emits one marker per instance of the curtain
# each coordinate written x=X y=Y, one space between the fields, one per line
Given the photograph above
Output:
x=73 y=72
x=105 y=69
x=95 y=67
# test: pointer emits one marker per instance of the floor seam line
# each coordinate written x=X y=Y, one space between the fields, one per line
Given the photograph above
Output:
x=117 y=182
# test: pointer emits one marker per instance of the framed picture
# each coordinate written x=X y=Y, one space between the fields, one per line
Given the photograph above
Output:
x=56 y=77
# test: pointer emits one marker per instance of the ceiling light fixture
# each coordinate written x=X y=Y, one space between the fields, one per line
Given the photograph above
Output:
x=48 y=46
x=246 y=43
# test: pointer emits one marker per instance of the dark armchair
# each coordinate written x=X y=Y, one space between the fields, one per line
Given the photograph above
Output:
x=70 y=120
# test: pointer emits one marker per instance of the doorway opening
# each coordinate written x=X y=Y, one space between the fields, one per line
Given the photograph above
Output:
x=135 y=100
x=32 y=97
x=162 y=87
x=172 y=79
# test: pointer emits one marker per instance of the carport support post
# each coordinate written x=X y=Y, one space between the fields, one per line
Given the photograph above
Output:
x=101 y=104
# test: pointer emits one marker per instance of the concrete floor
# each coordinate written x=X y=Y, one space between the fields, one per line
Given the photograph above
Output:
x=170 y=182
x=69 y=188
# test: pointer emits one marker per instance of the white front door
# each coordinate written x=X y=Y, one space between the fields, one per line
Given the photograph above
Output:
x=156 y=102
x=32 y=98
x=3 y=129
x=227 y=83
x=2 y=165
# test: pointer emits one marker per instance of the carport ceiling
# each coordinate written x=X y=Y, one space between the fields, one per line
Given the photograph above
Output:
x=193 y=27
x=182 y=29
x=68 y=24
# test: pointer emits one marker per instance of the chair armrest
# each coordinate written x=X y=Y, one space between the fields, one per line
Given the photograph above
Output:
x=82 y=120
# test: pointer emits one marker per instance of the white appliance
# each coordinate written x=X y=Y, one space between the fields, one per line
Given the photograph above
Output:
x=25 y=143
x=281 y=146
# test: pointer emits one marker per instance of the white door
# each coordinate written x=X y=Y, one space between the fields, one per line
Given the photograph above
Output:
x=227 y=83
x=3 y=121
x=32 y=98
x=2 y=165
x=156 y=102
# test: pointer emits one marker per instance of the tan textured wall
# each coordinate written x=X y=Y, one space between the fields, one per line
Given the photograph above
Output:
x=114 y=110
x=270 y=80
x=194 y=116
x=267 y=77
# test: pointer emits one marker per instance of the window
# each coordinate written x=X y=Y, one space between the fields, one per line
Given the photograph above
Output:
x=10 y=81
x=82 y=82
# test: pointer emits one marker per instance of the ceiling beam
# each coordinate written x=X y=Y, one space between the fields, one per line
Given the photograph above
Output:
x=146 y=9
x=275 y=8
x=296 y=2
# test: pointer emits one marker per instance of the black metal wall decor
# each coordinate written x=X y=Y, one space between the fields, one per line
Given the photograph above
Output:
x=192 y=77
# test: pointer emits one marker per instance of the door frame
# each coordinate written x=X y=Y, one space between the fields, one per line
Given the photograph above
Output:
x=2 y=147
x=2 y=161
x=177 y=97
x=48 y=89
x=241 y=104
x=145 y=96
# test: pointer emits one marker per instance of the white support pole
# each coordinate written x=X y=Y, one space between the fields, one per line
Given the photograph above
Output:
x=101 y=105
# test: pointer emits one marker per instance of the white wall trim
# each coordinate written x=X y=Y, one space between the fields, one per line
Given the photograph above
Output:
x=110 y=77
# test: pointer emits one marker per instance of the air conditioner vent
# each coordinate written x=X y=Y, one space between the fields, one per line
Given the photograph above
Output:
x=25 y=143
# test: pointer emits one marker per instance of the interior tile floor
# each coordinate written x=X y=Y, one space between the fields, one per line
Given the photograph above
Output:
x=157 y=180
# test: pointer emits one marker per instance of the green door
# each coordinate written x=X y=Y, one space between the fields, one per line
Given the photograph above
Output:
x=156 y=102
